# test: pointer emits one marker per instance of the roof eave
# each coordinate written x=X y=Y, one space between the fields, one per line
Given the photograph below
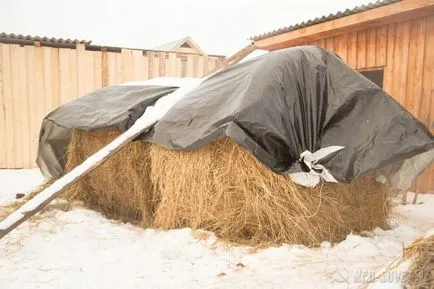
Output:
x=399 y=11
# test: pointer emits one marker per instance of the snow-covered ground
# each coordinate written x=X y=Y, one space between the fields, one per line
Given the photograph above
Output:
x=81 y=249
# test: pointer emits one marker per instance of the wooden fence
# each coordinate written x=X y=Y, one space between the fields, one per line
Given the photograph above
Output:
x=35 y=80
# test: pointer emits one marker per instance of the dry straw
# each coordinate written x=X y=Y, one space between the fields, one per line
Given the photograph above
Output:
x=120 y=187
x=421 y=271
x=222 y=188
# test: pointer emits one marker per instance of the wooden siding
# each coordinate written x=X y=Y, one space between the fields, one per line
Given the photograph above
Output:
x=405 y=51
x=35 y=80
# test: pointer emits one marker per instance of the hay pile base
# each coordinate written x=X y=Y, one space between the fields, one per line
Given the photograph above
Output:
x=224 y=189
x=120 y=187
x=421 y=271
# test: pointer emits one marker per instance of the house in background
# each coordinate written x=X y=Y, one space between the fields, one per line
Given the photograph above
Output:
x=391 y=42
x=183 y=45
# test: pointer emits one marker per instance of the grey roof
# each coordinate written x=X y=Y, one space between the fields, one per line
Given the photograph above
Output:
x=25 y=39
x=322 y=19
x=171 y=45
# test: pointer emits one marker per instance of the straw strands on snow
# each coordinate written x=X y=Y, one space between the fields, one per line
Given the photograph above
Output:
x=421 y=271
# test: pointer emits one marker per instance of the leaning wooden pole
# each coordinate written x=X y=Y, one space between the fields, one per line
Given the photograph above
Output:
x=237 y=57
x=38 y=202
x=145 y=122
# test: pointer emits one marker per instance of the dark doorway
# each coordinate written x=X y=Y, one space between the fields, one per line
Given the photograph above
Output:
x=376 y=76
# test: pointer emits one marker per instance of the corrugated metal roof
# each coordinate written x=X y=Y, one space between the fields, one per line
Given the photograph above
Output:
x=28 y=39
x=322 y=19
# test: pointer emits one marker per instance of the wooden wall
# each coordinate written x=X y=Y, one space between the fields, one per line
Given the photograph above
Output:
x=35 y=80
x=405 y=50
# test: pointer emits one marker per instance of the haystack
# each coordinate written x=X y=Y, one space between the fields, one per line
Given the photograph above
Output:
x=221 y=188
x=421 y=271
x=224 y=189
x=120 y=188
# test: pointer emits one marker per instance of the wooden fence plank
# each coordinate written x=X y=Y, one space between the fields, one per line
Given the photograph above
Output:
x=81 y=69
x=371 y=40
x=415 y=65
x=361 y=49
x=340 y=44
x=55 y=74
x=400 y=63
x=73 y=74
x=19 y=93
x=33 y=94
x=39 y=96
x=190 y=66
x=105 y=69
x=64 y=73
x=97 y=69
x=162 y=64
x=9 y=106
x=127 y=65
x=119 y=69
x=426 y=109
x=380 y=46
x=171 y=66
x=48 y=79
x=112 y=68
x=352 y=49
x=329 y=44
x=390 y=48
x=3 y=139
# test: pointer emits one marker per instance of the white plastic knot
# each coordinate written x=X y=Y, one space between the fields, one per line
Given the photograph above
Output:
x=316 y=171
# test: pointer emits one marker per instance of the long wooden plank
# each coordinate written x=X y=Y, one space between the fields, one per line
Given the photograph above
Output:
x=380 y=46
x=171 y=65
x=361 y=50
x=38 y=202
x=3 y=138
x=9 y=106
x=105 y=69
x=390 y=54
x=19 y=84
x=416 y=51
x=400 y=64
x=371 y=39
x=400 y=11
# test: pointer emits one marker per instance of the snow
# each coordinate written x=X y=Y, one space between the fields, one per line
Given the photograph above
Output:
x=14 y=182
x=151 y=115
x=82 y=249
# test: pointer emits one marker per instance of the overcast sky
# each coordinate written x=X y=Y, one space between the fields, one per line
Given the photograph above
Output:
x=218 y=27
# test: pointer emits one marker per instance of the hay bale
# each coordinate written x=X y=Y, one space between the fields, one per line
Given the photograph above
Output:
x=224 y=189
x=421 y=271
x=120 y=188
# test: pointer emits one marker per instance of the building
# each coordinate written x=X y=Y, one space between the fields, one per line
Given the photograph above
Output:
x=391 y=42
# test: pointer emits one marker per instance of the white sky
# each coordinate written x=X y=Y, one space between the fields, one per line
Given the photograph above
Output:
x=218 y=27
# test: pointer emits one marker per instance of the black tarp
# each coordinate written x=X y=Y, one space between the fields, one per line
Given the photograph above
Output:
x=284 y=103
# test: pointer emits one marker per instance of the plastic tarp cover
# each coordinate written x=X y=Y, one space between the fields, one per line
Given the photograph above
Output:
x=114 y=106
x=294 y=100
x=296 y=110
